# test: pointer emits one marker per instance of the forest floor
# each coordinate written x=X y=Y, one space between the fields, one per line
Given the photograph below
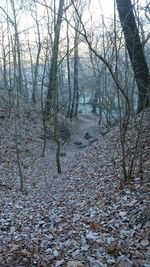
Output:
x=81 y=217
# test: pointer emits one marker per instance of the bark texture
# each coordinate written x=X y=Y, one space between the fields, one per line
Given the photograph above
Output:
x=52 y=86
x=136 y=52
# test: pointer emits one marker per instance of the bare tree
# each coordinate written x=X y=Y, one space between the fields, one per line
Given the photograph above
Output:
x=136 y=52
x=68 y=72
x=52 y=94
x=75 y=97
x=52 y=85
x=39 y=46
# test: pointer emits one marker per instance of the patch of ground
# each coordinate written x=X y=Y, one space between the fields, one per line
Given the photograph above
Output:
x=81 y=217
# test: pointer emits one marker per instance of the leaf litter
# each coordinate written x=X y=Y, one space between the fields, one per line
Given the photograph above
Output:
x=78 y=218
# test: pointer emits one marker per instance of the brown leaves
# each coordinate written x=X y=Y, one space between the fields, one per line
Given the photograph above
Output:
x=117 y=248
x=25 y=253
x=113 y=250
x=79 y=216
x=95 y=226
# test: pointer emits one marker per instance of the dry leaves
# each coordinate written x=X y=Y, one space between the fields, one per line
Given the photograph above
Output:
x=79 y=218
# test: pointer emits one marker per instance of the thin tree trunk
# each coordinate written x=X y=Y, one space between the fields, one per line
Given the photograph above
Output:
x=52 y=94
x=53 y=71
x=68 y=74
x=18 y=154
x=34 y=88
x=75 y=100
x=76 y=77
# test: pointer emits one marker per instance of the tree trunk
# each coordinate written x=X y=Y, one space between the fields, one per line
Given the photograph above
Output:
x=75 y=100
x=53 y=71
x=76 y=77
x=52 y=94
x=136 y=52
x=68 y=74
x=35 y=85
x=94 y=102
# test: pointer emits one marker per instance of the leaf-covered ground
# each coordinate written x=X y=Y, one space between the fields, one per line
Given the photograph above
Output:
x=82 y=217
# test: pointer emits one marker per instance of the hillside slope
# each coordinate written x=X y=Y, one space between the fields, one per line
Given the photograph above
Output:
x=81 y=217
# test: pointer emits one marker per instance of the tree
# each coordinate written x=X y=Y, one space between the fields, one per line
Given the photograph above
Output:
x=34 y=87
x=136 y=52
x=52 y=94
x=52 y=86
x=68 y=72
x=75 y=100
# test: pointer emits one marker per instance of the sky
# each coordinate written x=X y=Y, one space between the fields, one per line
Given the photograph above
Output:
x=98 y=8
x=104 y=7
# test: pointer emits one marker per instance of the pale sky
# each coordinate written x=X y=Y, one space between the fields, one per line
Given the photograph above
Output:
x=97 y=7
x=105 y=7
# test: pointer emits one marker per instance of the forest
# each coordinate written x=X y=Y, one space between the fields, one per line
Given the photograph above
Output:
x=74 y=133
